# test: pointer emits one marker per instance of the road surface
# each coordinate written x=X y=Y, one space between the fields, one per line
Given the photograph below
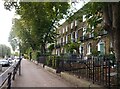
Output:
x=35 y=76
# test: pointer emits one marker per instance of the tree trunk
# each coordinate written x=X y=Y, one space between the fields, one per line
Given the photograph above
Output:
x=116 y=28
x=43 y=49
x=108 y=19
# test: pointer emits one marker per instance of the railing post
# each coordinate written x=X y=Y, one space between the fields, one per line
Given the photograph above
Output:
x=102 y=74
x=106 y=72
x=93 y=69
x=20 y=66
x=109 y=74
x=9 y=81
x=58 y=67
x=19 y=69
x=14 y=72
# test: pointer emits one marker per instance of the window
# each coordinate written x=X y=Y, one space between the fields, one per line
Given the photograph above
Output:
x=63 y=30
x=58 y=52
x=62 y=50
x=84 y=18
x=84 y=31
x=73 y=36
x=89 y=48
x=81 y=49
x=76 y=34
x=75 y=22
x=101 y=47
x=111 y=45
x=72 y=25
x=66 y=39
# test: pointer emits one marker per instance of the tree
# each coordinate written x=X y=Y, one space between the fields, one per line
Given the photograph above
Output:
x=44 y=20
x=112 y=22
x=4 y=51
x=19 y=35
x=38 y=31
x=12 y=40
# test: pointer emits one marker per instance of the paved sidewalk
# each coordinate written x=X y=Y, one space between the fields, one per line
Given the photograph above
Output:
x=35 y=76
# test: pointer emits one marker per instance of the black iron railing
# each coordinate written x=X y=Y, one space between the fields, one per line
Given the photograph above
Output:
x=95 y=69
x=9 y=75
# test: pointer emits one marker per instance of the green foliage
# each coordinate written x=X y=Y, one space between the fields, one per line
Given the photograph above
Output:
x=12 y=40
x=4 y=51
x=50 y=48
x=110 y=57
x=95 y=52
x=16 y=54
x=40 y=29
x=35 y=55
x=72 y=46
x=26 y=56
x=51 y=61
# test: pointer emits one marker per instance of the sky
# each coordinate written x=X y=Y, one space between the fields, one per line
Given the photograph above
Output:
x=5 y=24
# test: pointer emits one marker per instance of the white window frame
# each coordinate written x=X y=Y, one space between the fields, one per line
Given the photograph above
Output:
x=84 y=19
x=76 y=34
x=66 y=38
x=58 y=52
x=76 y=22
x=84 y=30
x=71 y=36
x=88 y=48
x=80 y=48
x=72 y=25
x=99 y=43
x=111 y=44
x=63 y=30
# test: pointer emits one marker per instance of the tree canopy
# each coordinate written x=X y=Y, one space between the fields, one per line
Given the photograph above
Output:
x=4 y=51
x=37 y=24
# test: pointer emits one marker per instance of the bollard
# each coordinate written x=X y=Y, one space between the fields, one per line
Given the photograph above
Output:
x=19 y=69
x=14 y=72
x=9 y=81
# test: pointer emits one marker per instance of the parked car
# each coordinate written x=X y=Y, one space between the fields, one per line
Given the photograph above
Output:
x=4 y=63
x=11 y=60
